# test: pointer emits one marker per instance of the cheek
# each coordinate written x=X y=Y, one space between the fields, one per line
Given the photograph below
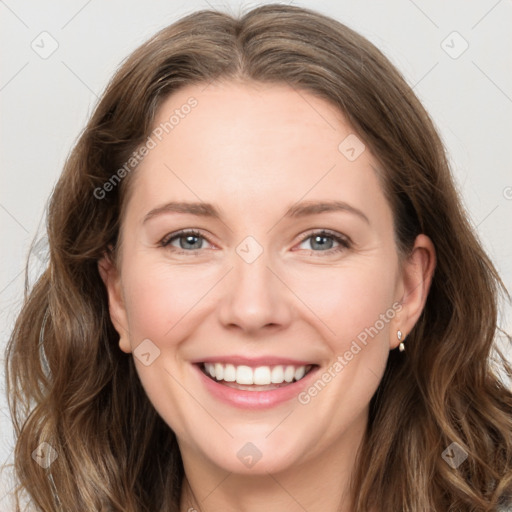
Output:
x=159 y=296
x=356 y=310
x=163 y=303
x=348 y=299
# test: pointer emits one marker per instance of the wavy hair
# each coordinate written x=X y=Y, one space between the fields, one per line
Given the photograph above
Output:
x=69 y=384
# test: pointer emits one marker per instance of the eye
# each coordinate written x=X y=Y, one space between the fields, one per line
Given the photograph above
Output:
x=322 y=241
x=191 y=241
x=188 y=241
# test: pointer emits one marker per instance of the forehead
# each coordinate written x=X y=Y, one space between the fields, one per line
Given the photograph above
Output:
x=270 y=118
x=255 y=146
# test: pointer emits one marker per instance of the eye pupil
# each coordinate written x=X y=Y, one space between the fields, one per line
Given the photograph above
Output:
x=323 y=244
x=190 y=240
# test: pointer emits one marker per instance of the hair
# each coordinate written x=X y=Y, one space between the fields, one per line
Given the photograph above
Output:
x=71 y=386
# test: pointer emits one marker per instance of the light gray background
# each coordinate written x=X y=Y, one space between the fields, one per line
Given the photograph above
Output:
x=46 y=101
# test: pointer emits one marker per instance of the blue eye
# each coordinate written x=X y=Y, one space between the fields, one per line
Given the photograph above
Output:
x=322 y=241
x=189 y=241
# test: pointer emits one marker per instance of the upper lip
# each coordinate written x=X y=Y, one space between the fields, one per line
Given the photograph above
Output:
x=254 y=361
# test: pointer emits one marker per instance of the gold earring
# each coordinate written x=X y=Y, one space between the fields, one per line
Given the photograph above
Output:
x=401 y=347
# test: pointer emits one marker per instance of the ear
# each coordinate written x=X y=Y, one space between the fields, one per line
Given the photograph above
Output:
x=417 y=272
x=112 y=280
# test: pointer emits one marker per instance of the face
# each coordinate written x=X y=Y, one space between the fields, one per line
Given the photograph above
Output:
x=285 y=270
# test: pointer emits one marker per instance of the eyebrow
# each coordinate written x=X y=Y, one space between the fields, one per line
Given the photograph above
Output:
x=301 y=209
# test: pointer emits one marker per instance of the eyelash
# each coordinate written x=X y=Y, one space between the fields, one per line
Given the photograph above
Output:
x=344 y=242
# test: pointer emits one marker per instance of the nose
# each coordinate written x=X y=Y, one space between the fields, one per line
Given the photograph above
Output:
x=255 y=297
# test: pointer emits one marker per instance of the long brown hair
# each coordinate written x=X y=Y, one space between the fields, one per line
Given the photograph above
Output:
x=71 y=386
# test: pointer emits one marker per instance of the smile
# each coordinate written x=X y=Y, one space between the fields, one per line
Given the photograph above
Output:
x=255 y=387
x=254 y=378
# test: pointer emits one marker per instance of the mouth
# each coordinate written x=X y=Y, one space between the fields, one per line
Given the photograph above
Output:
x=260 y=378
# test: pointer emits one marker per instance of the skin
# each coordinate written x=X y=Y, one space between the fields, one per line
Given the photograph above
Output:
x=254 y=150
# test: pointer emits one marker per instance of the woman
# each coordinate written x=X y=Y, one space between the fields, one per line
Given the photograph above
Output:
x=263 y=291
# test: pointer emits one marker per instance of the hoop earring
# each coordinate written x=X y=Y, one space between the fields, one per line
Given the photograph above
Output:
x=399 y=335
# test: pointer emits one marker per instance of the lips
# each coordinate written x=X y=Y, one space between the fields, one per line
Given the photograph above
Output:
x=254 y=396
x=251 y=382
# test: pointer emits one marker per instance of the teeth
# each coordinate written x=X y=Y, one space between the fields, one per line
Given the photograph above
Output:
x=300 y=372
x=277 y=375
x=219 y=371
x=229 y=373
x=244 y=375
x=260 y=376
x=289 y=373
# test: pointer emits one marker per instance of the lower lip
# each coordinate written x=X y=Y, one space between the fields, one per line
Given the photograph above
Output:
x=254 y=399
